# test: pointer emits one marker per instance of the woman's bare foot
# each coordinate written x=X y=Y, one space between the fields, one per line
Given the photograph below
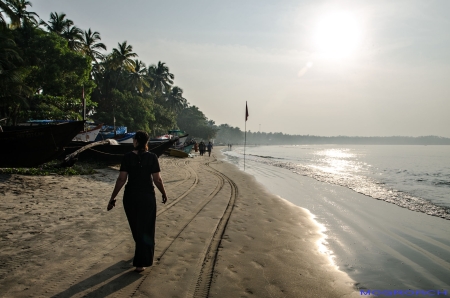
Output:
x=139 y=269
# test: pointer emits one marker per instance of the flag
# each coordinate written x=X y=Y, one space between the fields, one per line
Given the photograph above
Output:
x=246 y=111
x=83 y=91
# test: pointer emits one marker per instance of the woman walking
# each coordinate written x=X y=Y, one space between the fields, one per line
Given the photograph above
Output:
x=140 y=167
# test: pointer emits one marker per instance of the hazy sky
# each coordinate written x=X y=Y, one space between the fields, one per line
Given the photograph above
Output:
x=359 y=68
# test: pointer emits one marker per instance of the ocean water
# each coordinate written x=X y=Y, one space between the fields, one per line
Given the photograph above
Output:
x=384 y=209
x=413 y=177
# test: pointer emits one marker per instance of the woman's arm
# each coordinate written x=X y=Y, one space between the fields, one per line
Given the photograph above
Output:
x=160 y=185
x=121 y=180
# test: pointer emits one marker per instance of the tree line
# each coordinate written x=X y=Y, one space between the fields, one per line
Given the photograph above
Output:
x=233 y=135
x=46 y=67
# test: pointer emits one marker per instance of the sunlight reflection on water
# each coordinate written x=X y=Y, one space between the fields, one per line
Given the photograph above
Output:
x=344 y=168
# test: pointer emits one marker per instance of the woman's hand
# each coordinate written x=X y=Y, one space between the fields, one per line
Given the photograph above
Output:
x=111 y=204
x=164 y=198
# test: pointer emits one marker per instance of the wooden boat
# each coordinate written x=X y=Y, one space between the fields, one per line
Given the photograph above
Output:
x=183 y=152
x=24 y=146
x=114 y=153
x=177 y=153
x=174 y=133
x=127 y=138
x=88 y=135
x=84 y=135
x=111 y=132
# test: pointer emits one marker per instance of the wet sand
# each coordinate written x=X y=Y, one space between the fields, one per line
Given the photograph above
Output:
x=221 y=234
x=380 y=245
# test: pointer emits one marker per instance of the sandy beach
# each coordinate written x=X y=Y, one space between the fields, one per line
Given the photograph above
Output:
x=221 y=234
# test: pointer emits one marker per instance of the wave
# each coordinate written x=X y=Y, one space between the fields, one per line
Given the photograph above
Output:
x=364 y=185
x=442 y=183
x=262 y=156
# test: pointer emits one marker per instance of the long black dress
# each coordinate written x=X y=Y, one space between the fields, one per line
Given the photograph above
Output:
x=139 y=202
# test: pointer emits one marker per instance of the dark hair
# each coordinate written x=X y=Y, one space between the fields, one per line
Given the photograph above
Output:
x=142 y=140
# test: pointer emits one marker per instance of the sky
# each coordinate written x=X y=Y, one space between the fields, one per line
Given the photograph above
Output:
x=329 y=68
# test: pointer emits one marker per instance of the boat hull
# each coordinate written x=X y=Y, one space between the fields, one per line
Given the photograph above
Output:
x=113 y=153
x=32 y=146
x=177 y=153
x=88 y=136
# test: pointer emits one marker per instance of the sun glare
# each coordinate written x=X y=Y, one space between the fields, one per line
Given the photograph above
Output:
x=337 y=35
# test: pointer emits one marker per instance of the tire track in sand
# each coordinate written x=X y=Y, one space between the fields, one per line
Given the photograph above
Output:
x=96 y=256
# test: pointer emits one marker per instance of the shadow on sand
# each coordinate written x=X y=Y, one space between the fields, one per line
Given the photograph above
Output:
x=121 y=274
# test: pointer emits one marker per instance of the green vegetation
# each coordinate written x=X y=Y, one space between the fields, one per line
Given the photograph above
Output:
x=46 y=67
x=52 y=168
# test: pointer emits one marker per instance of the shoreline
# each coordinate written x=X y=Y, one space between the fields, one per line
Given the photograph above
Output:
x=380 y=245
x=58 y=239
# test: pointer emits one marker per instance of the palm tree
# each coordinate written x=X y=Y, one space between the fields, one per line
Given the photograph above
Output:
x=19 y=9
x=6 y=9
x=91 y=45
x=175 y=100
x=160 y=77
x=74 y=36
x=58 y=23
x=121 y=57
x=13 y=91
x=8 y=57
x=123 y=54
x=138 y=76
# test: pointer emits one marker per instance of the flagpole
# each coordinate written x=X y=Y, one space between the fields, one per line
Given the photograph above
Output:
x=245 y=133
x=245 y=139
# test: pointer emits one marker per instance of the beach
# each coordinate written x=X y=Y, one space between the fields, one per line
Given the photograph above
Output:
x=221 y=234
x=377 y=231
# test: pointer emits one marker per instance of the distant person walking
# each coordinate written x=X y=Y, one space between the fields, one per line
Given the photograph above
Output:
x=209 y=146
x=196 y=146
x=201 y=147
x=141 y=168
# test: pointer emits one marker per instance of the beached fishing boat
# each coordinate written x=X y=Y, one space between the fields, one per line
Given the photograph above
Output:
x=114 y=153
x=88 y=135
x=126 y=139
x=182 y=152
x=111 y=132
x=177 y=153
x=174 y=133
x=30 y=146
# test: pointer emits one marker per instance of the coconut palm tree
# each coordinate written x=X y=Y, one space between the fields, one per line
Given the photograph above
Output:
x=138 y=76
x=58 y=23
x=6 y=10
x=18 y=11
x=160 y=77
x=175 y=100
x=74 y=36
x=122 y=56
x=13 y=91
x=8 y=58
x=90 y=45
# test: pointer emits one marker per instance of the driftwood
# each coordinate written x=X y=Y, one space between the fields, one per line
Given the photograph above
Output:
x=70 y=159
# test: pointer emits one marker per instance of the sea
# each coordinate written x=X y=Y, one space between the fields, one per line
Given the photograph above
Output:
x=397 y=198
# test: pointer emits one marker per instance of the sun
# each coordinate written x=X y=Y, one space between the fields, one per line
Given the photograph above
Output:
x=337 y=35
